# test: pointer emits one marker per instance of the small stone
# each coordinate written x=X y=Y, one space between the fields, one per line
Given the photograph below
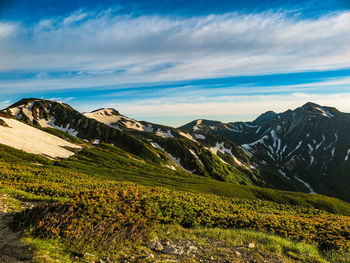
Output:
x=150 y=256
x=89 y=257
x=105 y=260
x=155 y=245
x=237 y=253
x=251 y=245
x=173 y=250
x=191 y=249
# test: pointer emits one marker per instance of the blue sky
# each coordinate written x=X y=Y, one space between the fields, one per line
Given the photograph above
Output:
x=174 y=61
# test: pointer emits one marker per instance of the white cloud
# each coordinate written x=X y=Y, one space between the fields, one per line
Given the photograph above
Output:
x=198 y=47
x=6 y=30
x=235 y=108
x=73 y=18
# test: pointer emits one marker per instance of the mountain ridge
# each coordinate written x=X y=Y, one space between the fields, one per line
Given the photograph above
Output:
x=305 y=149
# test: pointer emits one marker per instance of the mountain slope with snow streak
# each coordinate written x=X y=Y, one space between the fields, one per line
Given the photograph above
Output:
x=306 y=149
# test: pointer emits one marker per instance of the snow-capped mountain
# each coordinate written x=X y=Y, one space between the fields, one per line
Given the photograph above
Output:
x=150 y=142
x=305 y=149
x=185 y=151
x=58 y=115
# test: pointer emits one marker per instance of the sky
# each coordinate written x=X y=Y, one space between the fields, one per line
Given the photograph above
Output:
x=171 y=62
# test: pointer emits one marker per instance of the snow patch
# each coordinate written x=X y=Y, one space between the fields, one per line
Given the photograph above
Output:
x=323 y=139
x=220 y=147
x=199 y=136
x=324 y=112
x=51 y=123
x=284 y=174
x=173 y=158
x=195 y=155
x=196 y=127
x=307 y=185
x=163 y=134
x=188 y=136
x=32 y=140
x=347 y=155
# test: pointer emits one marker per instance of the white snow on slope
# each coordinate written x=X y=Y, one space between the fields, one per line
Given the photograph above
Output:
x=163 y=134
x=347 y=155
x=199 y=136
x=261 y=140
x=110 y=118
x=195 y=155
x=238 y=129
x=296 y=148
x=250 y=126
x=323 y=139
x=310 y=148
x=105 y=116
x=333 y=152
x=173 y=158
x=29 y=139
x=196 y=127
x=51 y=124
x=188 y=136
x=325 y=113
x=284 y=174
x=307 y=185
x=220 y=147
x=26 y=109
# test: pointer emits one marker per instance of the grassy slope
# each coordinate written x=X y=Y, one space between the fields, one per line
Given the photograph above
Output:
x=100 y=168
x=108 y=162
x=111 y=163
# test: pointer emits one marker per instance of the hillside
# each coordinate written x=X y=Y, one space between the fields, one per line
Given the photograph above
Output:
x=151 y=143
x=83 y=194
x=102 y=198
x=305 y=149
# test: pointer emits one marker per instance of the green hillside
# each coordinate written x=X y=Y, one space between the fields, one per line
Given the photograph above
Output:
x=90 y=197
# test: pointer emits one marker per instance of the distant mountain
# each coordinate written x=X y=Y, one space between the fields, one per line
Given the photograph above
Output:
x=60 y=116
x=305 y=149
x=150 y=142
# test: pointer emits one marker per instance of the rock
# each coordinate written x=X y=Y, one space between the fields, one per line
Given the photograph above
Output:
x=105 y=260
x=237 y=253
x=191 y=249
x=251 y=245
x=173 y=250
x=89 y=257
x=155 y=245
x=150 y=256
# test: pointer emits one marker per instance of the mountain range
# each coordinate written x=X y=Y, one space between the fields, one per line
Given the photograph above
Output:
x=306 y=149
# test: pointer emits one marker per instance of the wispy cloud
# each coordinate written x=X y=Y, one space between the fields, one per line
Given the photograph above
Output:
x=197 y=47
x=127 y=56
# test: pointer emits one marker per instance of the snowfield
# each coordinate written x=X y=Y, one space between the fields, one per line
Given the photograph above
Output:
x=29 y=139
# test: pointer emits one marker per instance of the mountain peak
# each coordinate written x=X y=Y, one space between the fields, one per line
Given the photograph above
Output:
x=106 y=111
x=265 y=117
x=29 y=102
x=310 y=105
x=316 y=109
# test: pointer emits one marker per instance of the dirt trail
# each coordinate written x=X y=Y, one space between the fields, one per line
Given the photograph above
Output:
x=11 y=249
